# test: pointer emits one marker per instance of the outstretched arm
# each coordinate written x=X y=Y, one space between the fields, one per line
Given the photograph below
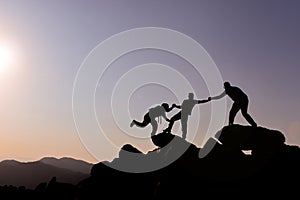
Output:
x=219 y=96
x=203 y=101
x=172 y=107
x=176 y=106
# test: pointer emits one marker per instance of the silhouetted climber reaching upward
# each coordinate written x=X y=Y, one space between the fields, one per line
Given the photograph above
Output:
x=240 y=103
x=153 y=113
x=186 y=110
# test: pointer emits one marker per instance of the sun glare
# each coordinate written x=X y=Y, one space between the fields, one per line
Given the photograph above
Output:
x=6 y=57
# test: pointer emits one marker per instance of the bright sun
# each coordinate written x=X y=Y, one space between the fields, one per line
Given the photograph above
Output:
x=6 y=57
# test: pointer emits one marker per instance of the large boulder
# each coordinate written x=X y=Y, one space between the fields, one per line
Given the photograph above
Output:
x=258 y=139
x=162 y=139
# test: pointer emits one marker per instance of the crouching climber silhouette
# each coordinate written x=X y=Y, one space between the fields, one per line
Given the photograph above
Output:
x=150 y=117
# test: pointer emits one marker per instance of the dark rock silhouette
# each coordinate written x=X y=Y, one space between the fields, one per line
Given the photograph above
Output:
x=47 y=191
x=58 y=190
x=225 y=172
x=260 y=140
x=272 y=170
x=163 y=139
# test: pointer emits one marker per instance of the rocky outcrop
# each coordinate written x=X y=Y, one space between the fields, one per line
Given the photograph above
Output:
x=224 y=172
x=259 y=140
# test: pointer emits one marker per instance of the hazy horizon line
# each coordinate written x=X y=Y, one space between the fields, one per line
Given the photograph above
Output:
x=29 y=160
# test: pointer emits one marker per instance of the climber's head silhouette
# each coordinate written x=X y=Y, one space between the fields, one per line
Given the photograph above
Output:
x=191 y=95
x=226 y=85
x=165 y=106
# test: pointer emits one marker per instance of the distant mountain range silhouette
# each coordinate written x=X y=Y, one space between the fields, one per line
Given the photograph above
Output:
x=69 y=163
x=272 y=170
x=31 y=174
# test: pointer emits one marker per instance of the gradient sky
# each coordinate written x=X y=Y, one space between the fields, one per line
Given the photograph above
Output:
x=255 y=45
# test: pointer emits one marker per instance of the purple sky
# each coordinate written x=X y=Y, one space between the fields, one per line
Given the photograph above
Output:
x=255 y=45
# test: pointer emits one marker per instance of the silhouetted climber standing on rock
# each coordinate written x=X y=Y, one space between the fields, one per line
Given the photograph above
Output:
x=153 y=113
x=186 y=110
x=240 y=103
